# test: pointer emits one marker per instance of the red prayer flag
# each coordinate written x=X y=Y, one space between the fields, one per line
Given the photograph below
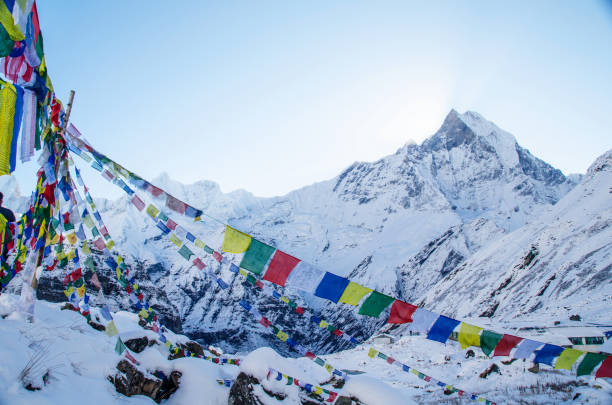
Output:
x=506 y=344
x=99 y=244
x=259 y=284
x=300 y=310
x=198 y=263
x=156 y=192
x=265 y=322
x=390 y=360
x=427 y=378
x=332 y=396
x=280 y=267
x=138 y=203
x=66 y=279
x=217 y=256
x=175 y=205
x=338 y=332
x=401 y=312
x=171 y=224
x=76 y=274
x=311 y=355
x=605 y=370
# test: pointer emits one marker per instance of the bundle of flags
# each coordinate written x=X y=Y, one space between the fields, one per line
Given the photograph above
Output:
x=26 y=98
x=373 y=353
x=310 y=388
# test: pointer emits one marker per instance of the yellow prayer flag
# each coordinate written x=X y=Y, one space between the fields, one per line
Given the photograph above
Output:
x=413 y=371
x=68 y=292
x=372 y=353
x=81 y=291
x=175 y=240
x=481 y=399
x=8 y=97
x=567 y=359
x=70 y=255
x=110 y=244
x=284 y=299
x=71 y=238
x=143 y=312
x=318 y=390
x=323 y=324
x=354 y=293
x=469 y=335
x=168 y=344
x=152 y=211
x=282 y=336
x=111 y=329
x=55 y=239
x=235 y=241
x=243 y=272
x=199 y=243
x=85 y=248
x=60 y=255
x=329 y=368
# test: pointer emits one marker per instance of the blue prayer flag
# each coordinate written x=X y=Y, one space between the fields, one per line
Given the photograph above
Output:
x=548 y=354
x=442 y=328
x=331 y=287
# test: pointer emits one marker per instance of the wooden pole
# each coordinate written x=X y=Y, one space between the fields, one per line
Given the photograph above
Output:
x=41 y=250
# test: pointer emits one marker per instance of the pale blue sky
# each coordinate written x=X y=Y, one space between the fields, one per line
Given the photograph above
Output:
x=270 y=96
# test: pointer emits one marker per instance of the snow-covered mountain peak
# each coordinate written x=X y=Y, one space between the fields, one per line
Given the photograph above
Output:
x=602 y=163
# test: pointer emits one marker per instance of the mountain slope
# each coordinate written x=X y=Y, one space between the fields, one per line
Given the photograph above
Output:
x=558 y=265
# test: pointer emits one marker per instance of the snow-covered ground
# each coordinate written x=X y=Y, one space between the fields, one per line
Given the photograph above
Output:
x=78 y=360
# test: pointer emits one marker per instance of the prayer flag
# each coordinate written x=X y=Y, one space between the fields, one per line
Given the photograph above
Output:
x=175 y=204
x=526 y=349
x=605 y=370
x=138 y=203
x=256 y=257
x=174 y=239
x=372 y=353
x=588 y=364
x=548 y=354
x=235 y=241
x=99 y=244
x=193 y=213
x=120 y=347
x=506 y=344
x=280 y=267
x=152 y=211
x=111 y=329
x=95 y=281
x=567 y=359
x=423 y=319
x=401 y=312
x=488 y=341
x=171 y=224
x=442 y=328
x=185 y=252
x=199 y=243
x=331 y=287
x=353 y=293
x=469 y=335
x=305 y=277
x=375 y=304
x=198 y=263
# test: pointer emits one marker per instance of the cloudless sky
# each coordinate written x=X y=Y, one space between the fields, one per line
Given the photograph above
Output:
x=270 y=96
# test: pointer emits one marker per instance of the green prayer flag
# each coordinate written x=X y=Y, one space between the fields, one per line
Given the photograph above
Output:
x=292 y=305
x=63 y=263
x=95 y=232
x=119 y=347
x=588 y=364
x=162 y=217
x=251 y=279
x=185 y=252
x=382 y=356
x=488 y=341
x=208 y=250
x=256 y=256
x=89 y=263
x=6 y=43
x=318 y=360
x=331 y=328
x=68 y=226
x=375 y=304
x=289 y=380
